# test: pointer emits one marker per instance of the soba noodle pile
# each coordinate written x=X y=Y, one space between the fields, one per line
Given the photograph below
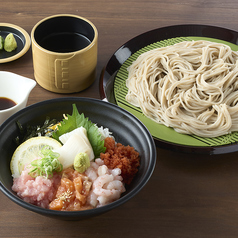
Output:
x=191 y=86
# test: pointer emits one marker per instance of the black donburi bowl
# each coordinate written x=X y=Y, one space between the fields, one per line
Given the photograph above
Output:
x=126 y=129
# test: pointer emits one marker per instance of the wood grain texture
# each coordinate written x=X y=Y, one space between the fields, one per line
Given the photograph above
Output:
x=188 y=196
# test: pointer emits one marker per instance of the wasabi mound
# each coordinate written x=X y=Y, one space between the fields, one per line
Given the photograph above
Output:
x=10 y=43
x=1 y=42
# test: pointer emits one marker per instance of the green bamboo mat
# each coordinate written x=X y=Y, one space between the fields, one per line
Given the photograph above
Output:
x=158 y=131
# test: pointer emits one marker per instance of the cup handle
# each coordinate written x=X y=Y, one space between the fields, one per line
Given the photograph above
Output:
x=62 y=73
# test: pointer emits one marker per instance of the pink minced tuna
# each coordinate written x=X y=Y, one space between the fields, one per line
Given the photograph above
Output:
x=39 y=191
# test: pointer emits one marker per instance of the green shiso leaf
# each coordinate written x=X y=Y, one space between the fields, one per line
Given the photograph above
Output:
x=77 y=120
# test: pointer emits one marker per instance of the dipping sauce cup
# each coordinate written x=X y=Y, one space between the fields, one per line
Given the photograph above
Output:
x=16 y=89
x=64 y=49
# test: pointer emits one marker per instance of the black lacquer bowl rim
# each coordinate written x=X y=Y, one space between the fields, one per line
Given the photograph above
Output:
x=96 y=109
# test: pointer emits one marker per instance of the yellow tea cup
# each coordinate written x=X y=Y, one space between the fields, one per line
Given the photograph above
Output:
x=64 y=49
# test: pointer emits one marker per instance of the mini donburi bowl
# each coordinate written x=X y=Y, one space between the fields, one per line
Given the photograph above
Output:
x=126 y=129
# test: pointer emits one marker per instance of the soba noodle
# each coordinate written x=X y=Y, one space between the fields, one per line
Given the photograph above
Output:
x=191 y=86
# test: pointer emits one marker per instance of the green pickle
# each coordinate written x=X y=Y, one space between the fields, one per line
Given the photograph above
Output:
x=10 y=43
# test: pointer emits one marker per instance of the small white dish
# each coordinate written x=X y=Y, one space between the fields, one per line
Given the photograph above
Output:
x=16 y=88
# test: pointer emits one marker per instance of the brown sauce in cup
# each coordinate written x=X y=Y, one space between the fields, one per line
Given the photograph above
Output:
x=6 y=103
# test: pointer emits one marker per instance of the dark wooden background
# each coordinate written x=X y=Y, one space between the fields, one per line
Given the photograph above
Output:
x=189 y=195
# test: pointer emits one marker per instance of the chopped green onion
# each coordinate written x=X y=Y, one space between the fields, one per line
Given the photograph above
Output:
x=47 y=165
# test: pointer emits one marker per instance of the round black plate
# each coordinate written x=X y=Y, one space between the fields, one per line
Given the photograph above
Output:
x=22 y=39
x=147 y=38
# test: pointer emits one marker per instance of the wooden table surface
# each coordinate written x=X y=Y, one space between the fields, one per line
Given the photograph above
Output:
x=188 y=195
